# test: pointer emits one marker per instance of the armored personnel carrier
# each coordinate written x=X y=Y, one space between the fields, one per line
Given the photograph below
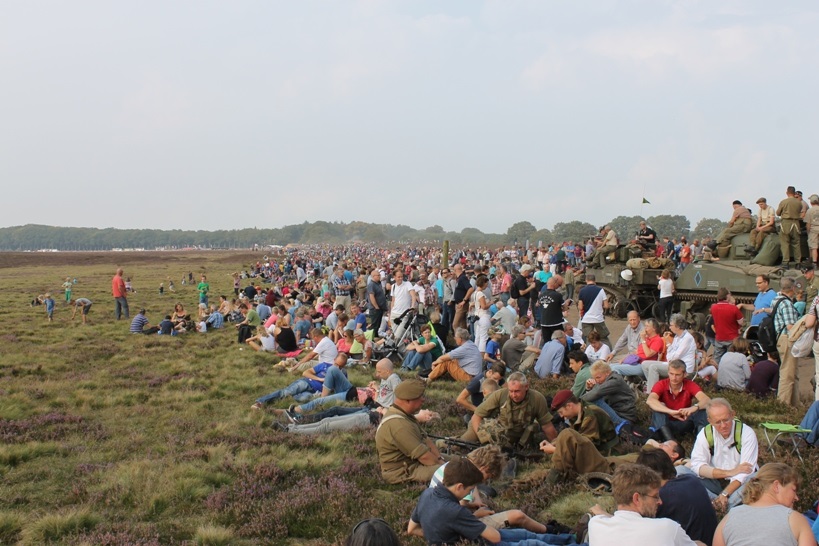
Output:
x=631 y=281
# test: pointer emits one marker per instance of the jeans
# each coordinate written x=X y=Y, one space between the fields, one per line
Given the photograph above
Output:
x=300 y=390
x=811 y=421
x=415 y=359
x=714 y=488
x=330 y=424
x=447 y=315
x=121 y=307
x=504 y=296
x=335 y=381
x=522 y=537
x=653 y=371
x=335 y=411
x=615 y=419
x=720 y=348
x=629 y=369
x=693 y=424
x=376 y=315
x=203 y=298
x=523 y=306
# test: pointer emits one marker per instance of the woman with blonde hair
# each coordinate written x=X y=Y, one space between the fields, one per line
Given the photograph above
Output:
x=767 y=517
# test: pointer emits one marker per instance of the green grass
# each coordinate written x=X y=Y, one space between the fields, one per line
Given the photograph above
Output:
x=109 y=438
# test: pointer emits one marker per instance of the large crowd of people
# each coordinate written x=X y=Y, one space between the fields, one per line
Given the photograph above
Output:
x=496 y=319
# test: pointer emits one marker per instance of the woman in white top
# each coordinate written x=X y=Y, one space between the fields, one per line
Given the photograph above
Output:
x=480 y=308
x=262 y=341
x=596 y=349
x=666 y=303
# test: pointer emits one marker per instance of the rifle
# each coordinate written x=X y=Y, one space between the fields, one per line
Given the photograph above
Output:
x=512 y=451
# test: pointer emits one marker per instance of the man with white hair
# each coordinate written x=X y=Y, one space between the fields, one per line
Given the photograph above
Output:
x=725 y=455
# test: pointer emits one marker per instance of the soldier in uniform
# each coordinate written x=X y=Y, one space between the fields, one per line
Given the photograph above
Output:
x=582 y=446
x=740 y=222
x=812 y=285
x=790 y=211
x=765 y=224
x=404 y=453
x=510 y=415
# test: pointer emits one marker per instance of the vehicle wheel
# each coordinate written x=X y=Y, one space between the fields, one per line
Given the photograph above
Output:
x=648 y=311
x=621 y=309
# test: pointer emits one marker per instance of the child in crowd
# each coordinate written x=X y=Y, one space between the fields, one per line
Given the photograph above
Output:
x=493 y=348
x=166 y=327
x=706 y=365
x=49 y=306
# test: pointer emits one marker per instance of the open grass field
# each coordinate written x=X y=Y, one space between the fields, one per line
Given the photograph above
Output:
x=110 y=439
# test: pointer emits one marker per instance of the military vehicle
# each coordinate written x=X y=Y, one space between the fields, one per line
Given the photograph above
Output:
x=631 y=284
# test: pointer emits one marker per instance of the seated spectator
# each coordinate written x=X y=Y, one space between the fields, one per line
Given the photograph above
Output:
x=359 y=319
x=323 y=350
x=372 y=532
x=636 y=491
x=140 y=324
x=167 y=328
x=439 y=517
x=301 y=327
x=706 y=365
x=734 y=370
x=214 y=321
x=491 y=461
x=671 y=402
x=423 y=351
x=811 y=422
x=473 y=394
x=336 y=387
x=595 y=348
x=516 y=353
x=250 y=323
x=338 y=332
x=764 y=379
x=262 y=341
x=362 y=348
x=550 y=360
x=630 y=339
x=683 y=497
x=493 y=348
x=650 y=347
x=682 y=348
x=580 y=365
x=462 y=363
x=768 y=516
x=345 y=343
x=180 y=317
x=303 y=389
x=610 y=392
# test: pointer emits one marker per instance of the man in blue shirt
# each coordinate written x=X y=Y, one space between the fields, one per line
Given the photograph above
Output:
x=303 y=390
x=550 y=360
x=762 y=304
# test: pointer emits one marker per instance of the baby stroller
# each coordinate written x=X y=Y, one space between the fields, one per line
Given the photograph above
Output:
x=407 y=329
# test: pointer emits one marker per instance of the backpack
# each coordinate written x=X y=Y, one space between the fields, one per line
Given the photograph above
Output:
x=766 y=333
x=709 y=436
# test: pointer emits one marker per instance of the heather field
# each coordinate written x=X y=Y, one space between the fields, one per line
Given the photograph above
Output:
x=112 y=439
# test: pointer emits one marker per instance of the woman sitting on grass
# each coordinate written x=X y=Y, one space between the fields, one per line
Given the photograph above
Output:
x=262 y=341
x=285 y=337
x=767 y=517
x=734 y=370
x=706 y=365
x=179 y=317
x=346 y=342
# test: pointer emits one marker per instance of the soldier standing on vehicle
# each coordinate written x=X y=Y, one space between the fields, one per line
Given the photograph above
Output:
x=790 y=210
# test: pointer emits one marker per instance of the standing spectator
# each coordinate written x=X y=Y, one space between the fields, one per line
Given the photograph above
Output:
x=460 y=296
x=784 y=318
x=67 y=286
x=403 y=297
x=120 y=295
x=376 y=300
x=342 y=288
x=761 y=307
x=522 y=285
x=49 y=306
x=480 y=308
x=203 y=289
x=592 y=306
x=666 y=302
x=728 y=319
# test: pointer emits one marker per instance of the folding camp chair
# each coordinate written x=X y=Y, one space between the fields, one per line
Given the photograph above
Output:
x=787 y=432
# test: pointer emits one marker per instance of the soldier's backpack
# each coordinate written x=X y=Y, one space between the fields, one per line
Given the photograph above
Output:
x=766 y=332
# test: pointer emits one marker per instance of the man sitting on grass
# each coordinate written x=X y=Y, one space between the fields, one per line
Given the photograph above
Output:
x=441 y=519
x=140 y=324
x=305 y=388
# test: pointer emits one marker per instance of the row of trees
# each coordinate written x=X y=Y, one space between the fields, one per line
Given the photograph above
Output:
x=675 y=226
x=35 y=237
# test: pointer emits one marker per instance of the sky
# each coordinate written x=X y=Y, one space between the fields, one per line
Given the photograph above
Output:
x=228 y=115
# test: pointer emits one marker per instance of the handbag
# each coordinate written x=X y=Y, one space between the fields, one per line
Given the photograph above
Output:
x=802 y=337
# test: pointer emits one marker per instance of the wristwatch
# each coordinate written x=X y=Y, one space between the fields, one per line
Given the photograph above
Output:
x=724 y=494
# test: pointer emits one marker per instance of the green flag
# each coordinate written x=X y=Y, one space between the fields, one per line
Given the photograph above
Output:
x=646 y=201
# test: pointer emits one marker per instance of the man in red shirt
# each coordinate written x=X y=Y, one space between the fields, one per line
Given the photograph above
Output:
x=120 y=296
x=671 y=400
x=727 y=321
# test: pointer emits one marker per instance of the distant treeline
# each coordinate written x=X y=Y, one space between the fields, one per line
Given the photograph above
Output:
x=37 y=237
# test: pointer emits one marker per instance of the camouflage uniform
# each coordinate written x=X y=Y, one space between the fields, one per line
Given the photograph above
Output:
x=516 y=422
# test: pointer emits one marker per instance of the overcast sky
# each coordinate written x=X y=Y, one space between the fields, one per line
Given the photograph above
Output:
x=227 y=115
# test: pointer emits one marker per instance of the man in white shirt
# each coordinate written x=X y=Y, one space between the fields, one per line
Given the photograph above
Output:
x=724 y=456
x=324 y=350
x=403 y=296
x=636 y=490
x=592 y=303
